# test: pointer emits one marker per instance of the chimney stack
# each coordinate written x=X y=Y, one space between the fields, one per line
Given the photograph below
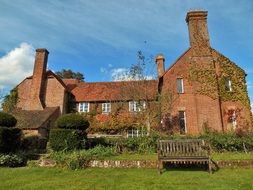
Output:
x=38 y=80
x=160 y=65
x=198 y=32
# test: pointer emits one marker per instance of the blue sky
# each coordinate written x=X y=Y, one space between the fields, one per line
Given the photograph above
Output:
x=100 y=38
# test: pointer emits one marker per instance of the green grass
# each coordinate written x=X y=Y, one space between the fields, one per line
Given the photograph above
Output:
x=98 y=179
x=232 y=156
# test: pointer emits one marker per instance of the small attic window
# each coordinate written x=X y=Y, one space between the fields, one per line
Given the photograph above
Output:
x=180 y=86
x=228 y=84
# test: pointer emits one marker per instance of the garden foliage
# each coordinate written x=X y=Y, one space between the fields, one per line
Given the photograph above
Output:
x=7 y=120
x=10 y=137
x=66 y=139
x=72 y=121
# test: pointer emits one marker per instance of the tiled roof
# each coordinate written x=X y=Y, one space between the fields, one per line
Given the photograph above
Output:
x=115 y=91
x=33 y=119
x=71 y=83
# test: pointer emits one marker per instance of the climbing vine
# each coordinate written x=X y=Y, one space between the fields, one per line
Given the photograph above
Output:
x=237 y=76
x=204 y=79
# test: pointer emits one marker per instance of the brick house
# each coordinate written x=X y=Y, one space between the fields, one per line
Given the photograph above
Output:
x=204 y=88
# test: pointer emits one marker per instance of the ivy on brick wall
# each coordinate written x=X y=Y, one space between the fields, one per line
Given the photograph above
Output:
x=204 y=79
x=237 y=76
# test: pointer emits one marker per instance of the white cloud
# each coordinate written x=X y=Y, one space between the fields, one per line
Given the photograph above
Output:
x=16 y=65
x=122 y=74
x=103 y=70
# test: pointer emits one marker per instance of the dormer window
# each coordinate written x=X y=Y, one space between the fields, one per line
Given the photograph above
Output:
x=228 y=85
x=180 y=86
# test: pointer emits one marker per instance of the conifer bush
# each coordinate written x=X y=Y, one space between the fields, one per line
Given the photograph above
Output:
x=10 y=137
x=72 y=121
x=7 y=120
x=70 y=134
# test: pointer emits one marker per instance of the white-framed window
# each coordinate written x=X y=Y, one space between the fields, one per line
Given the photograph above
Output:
x=106 y=107
x=84 y=107
x=137 y=106
x=228 y=84
x=131 y=133
x=182 y=122
x=180 y=85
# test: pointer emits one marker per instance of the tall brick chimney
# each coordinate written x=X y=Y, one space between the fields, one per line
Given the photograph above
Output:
x=38 y=80
x=160 y=65
x=198 y=32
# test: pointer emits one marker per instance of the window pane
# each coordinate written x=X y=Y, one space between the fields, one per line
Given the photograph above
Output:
x=137 y=106
x=106 y=107
x=84 y=107
x=181 y=116
x=180 y=85
x=228 y=84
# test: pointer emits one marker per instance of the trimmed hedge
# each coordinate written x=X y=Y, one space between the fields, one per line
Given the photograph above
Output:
x=72 y=121
x=66 y=139
x=230 y=141
x=7 y=120
x=10 y=139
x=34 y=143
x=123 y=145
x=219 y=142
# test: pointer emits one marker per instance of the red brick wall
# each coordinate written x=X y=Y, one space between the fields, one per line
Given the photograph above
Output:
x=24 y=94
x=54 y=94
x=199 y=109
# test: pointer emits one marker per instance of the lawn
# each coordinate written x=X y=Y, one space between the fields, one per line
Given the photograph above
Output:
x=94 y=178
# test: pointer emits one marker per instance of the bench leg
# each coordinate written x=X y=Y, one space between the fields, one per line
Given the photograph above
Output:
x=209 y=166
x=160 y=166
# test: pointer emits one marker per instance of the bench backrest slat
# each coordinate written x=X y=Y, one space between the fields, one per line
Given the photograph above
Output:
x=184 y=148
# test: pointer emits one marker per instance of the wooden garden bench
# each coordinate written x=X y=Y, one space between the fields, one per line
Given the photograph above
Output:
x=185 y=151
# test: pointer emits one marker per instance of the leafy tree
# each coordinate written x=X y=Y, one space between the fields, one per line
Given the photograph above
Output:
x=10 y=101
x=69 y=74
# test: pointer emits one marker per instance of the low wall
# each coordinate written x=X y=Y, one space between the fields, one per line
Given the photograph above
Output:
x=146 y=163
x=122 y=164
x=153 y=163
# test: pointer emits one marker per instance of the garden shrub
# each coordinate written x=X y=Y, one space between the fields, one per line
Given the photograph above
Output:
x=10 y=139
x=229 y=141
x=80 y=159
x=66 y=139
x=122 y=145
x=12 y=160
x=7 y=120
x=33 y=143
x=99 y=152
x=72 y=121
